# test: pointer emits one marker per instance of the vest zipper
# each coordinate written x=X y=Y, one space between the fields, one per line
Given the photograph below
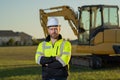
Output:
x=57 y=50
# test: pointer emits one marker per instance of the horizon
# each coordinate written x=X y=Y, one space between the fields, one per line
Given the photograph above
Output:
x=23 y=15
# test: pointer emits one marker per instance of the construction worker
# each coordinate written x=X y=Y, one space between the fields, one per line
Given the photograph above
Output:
x=54 y=53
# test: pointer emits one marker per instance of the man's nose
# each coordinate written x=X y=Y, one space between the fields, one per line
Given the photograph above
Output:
x=54 y=30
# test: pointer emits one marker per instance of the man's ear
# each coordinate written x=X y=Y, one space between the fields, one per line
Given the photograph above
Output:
x=59 y=27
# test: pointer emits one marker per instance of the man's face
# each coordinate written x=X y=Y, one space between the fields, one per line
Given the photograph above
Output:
x=54 y=31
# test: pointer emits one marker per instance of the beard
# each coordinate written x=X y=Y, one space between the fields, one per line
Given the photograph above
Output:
x=54 y=35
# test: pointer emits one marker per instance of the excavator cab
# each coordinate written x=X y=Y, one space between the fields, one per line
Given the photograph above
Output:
x=94 y=19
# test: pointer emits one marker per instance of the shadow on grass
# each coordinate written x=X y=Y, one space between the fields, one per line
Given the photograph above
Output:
x=75 y=68
x=36 y=70
x=33 y=70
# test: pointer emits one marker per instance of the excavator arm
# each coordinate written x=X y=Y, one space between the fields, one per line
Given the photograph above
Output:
x=64 y=11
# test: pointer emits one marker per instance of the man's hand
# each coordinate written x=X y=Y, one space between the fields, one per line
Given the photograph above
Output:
x=46 y=64
x=56 y=58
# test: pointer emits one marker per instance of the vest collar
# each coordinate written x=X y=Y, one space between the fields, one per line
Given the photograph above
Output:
x=48 y=38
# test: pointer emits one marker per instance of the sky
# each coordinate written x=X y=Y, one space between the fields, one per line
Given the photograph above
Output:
x=23 y=15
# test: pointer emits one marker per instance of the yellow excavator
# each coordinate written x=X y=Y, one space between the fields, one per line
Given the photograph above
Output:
x=97 y=30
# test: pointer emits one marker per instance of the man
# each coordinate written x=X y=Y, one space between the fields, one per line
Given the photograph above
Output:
x=54 y=53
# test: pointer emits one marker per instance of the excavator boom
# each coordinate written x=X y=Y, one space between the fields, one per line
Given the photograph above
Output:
x=64 y=11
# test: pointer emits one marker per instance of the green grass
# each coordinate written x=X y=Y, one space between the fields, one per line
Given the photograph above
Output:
x=17 y=63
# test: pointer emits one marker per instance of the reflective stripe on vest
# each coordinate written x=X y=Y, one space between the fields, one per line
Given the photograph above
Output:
x=43 y=46
x=40 y=53
x=62 y=47
x=38 y=60
x=61 y=61
x=61 y=52
x=39 y=57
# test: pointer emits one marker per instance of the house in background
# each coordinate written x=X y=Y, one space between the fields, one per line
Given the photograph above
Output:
x=25 y=39
x=17 y=38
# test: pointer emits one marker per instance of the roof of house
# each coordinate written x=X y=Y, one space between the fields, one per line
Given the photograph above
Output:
x=10 y=33
x=7 y=33
x=22 y=34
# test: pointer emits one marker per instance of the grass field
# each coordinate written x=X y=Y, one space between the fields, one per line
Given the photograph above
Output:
x=17 y=63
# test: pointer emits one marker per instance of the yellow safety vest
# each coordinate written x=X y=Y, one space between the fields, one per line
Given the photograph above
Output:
x=61 y=50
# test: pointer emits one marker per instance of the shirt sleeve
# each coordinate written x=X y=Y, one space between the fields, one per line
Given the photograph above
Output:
x=39 y=54
x=66 y=54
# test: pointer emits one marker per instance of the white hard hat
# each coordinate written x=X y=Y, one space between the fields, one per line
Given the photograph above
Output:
x=52 y=21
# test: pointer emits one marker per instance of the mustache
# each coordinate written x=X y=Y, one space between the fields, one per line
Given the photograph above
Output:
x=54 y=33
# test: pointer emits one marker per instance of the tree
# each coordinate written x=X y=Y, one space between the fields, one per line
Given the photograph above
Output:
x=35 y=41
x=10 y=42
